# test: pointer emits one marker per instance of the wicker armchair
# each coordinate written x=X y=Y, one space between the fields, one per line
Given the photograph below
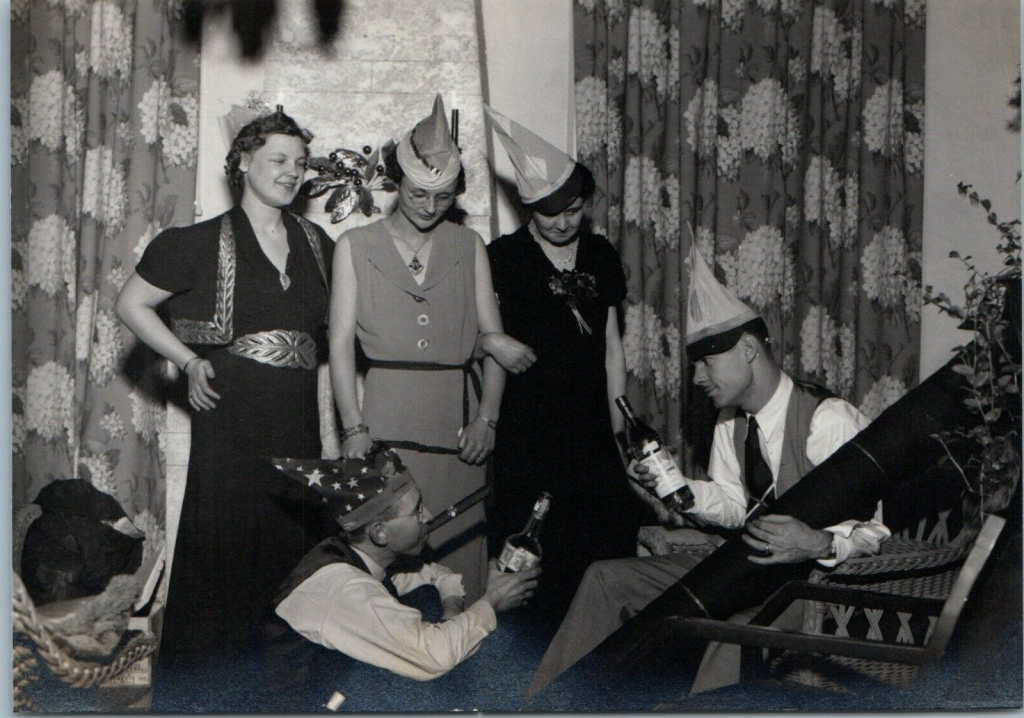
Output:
x=913 y=580
x=27 y=621
x=914 y=566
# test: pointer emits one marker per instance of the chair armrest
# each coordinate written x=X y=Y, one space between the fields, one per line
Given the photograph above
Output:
x=768 y=637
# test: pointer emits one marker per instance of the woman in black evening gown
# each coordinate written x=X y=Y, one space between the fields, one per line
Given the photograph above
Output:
x=247 y=295
x=558 y=290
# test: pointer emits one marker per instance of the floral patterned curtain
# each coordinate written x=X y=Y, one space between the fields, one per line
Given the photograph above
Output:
x=788 y=134
x=103 y=141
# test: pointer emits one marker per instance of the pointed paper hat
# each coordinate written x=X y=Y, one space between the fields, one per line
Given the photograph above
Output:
x=237 y=118
x=548 y=179
x=355 y=490
x=715 y=317
x=428 y=155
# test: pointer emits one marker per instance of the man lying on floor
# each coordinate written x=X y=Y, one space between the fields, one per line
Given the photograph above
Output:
x=343 y=596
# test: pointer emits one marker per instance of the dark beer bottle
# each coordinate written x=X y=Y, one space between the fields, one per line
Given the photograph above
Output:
x=648 y=448
x=522 y=550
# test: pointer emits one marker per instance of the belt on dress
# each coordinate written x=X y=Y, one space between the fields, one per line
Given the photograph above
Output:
x=469 y=379
x=281 y=348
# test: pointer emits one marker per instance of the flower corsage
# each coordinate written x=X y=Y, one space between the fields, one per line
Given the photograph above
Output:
x=573 y=286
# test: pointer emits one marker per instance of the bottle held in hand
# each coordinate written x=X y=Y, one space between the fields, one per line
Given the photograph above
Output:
x=648 y=448
x=522 y=551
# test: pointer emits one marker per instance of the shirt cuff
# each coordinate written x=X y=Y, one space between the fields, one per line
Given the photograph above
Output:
x=485 y=613
x=851 y=539
x=450 y=586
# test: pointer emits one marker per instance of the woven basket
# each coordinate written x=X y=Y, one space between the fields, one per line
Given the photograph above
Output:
x=74 y=672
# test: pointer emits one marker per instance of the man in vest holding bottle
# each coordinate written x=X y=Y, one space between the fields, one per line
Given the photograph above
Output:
x=770 y=432
x=343 y=595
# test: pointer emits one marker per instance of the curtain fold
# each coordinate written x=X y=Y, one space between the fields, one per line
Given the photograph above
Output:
x=786 y=138
x=103 y=141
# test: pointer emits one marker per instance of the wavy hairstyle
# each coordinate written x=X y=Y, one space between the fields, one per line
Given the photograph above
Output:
x=254 y=135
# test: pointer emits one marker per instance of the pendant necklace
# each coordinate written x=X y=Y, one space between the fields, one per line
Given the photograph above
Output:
x=415 y=266
x=565 y=262
x=282 y=277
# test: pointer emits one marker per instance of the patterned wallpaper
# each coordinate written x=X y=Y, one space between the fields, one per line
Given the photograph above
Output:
x=379 y=77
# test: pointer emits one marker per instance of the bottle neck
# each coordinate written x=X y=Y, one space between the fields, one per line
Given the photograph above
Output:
x=532 y=527
x=627 y=411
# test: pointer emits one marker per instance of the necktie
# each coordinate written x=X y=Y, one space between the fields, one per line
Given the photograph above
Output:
x=756 y=471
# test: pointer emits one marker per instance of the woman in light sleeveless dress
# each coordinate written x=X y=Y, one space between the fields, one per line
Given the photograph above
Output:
x=415 y=289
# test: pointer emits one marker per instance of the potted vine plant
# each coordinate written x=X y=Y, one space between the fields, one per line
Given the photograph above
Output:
x=988 y=454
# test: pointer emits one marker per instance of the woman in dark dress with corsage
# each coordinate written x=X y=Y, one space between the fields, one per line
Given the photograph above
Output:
x=558 y=289
x=247 y=294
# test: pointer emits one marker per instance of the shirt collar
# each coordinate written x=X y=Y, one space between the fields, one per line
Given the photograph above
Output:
x=773 y=414
x=375 y=568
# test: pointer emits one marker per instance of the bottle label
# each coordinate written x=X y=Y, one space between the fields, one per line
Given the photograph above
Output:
x=517 y=559
x=662 y=467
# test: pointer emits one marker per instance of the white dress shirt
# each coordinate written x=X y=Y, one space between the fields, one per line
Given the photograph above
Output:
x=342 y=608
x=723 y=500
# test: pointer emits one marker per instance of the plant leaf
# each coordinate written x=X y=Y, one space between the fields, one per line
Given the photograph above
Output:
x=366 y=205
x=339 y=196
x=963 y=370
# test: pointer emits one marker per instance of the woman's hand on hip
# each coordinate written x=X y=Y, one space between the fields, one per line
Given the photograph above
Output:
x=513 y=356
x=356 y=447
x=476 y=441
x=200 y=394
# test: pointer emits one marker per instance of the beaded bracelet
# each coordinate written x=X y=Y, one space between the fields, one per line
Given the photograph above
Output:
x=351 y=431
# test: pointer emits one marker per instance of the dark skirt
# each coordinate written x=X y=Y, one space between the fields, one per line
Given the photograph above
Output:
x=244 y=525
x=570 y=453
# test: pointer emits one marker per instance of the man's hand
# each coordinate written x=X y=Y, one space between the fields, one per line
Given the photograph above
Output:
x=509 y=590
x=784 y=539
x=640 y=473
x=513 y=356
x=644 y=485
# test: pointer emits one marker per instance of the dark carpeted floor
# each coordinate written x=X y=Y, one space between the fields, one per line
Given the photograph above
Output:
x=982 y=669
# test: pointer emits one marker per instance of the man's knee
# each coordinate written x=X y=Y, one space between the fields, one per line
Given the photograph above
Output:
x=620 y=584
x=609 y=576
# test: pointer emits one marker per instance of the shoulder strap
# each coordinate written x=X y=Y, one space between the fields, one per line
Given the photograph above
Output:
x=816 y=390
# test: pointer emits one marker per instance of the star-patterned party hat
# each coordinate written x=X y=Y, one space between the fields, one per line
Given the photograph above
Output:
x=715 y=317
x=548 y=180
x=428 y=154
x=355 y=490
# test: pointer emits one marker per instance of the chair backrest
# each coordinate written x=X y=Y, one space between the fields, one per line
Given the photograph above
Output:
x=969 y=572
